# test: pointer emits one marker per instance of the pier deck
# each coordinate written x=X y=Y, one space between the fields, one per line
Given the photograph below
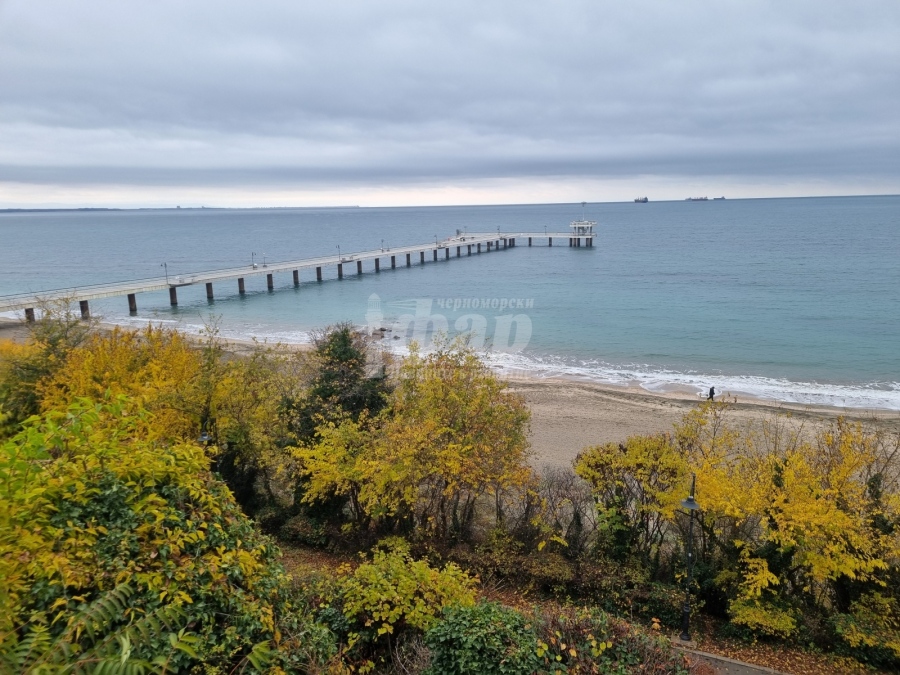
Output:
x=461 y=245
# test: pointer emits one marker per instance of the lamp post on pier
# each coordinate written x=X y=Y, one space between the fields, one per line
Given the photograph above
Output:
x=691 y=505
x=165 y=266
x=339 y=253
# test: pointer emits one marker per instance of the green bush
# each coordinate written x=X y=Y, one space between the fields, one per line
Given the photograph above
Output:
x=485 y=639
x=89 y=503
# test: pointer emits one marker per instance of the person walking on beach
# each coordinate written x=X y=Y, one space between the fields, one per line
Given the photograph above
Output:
x=712 y=394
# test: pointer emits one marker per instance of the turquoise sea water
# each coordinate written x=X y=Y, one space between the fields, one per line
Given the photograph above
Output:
x=792 y=299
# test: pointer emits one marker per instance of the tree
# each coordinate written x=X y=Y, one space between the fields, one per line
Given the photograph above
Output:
x=340 y=387
x=452 y=435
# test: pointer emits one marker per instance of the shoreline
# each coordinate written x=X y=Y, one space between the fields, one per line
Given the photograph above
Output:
x=570 y=414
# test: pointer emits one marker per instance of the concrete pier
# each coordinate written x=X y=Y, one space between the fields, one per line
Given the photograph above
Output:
x=85 y=309
x=582 y=235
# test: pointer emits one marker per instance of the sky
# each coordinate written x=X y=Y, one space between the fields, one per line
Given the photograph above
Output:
x=406 y=102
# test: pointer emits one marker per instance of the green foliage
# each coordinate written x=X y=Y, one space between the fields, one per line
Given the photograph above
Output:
x=95 y=640
x=340 y=388
x=582 y=640
x=89 y=503
x=483 y=639
x=395 y=593
x=870 y=632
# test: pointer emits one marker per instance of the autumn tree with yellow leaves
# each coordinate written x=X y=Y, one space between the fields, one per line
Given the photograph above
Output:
x=452 y=438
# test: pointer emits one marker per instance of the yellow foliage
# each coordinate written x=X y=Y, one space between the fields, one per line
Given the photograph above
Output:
x=157 y=368
x=451 y=434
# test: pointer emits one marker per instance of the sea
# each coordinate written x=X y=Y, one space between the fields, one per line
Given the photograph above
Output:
x=794 y=300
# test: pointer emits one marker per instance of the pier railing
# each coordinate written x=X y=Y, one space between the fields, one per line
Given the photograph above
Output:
x=462 y=244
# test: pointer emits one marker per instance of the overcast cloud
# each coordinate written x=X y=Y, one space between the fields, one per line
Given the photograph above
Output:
x=409 y=102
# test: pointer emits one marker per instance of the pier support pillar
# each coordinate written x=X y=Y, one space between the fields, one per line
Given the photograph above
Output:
x=173 y=296
x=434 y=255
x=340 y=270
x=512 y=242
x=551 y=241
x=422 y=257
x=458 y=251
x=407 y=260
x=468 y=249
x=318 y=274
x=209 y=290
x=489 y=246
x=377 y=265
x=270 y=282
x=296 y=277
x=86 y=309
x=590 y=242
x=241 y=286
x=359 y=266
x=132 y=303
x=29 y=314
x=393 y=262
x=446 y=254
x=479 y=247
x=529 y=241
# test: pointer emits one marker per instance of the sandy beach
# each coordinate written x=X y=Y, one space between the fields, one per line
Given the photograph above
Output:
x=569 y=415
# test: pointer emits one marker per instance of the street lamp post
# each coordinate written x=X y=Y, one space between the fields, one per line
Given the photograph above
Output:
x=339 y=253
x=691 y=505
x=264 y=259
x=253 y=260
x=165 y=266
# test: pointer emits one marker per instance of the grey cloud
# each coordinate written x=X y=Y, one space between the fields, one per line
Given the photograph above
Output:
x=224 y=92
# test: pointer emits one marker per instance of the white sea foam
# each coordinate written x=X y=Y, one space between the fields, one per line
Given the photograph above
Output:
x=876 y=395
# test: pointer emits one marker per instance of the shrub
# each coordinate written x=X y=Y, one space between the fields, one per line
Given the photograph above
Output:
x=89 y=503
x=484 y=639
x=585 y=640
x=394 y=592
